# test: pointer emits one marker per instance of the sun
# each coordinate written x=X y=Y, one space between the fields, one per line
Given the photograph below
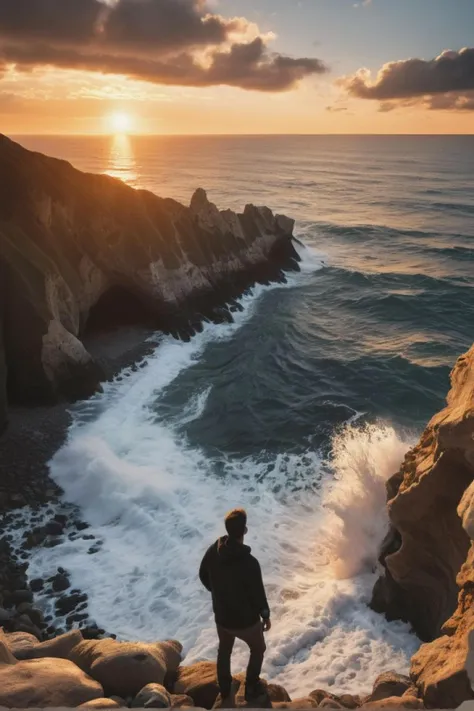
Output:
x=120 y=122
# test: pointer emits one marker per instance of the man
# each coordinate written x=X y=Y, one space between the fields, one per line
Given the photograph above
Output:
x=234 y=578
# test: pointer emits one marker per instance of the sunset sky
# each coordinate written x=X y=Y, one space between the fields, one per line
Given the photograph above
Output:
x=236 y=66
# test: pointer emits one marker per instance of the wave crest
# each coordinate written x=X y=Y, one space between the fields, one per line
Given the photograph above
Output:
x=362 y=459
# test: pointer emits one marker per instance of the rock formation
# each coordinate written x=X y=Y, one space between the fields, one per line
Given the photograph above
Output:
x=80 y=250
x=441 y=669
x=427 y=546
x=429 y=552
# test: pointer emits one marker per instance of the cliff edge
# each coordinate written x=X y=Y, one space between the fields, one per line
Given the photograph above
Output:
x=428 y=554
x=80 y=251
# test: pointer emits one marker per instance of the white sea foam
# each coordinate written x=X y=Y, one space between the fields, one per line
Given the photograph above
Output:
x=155 y=504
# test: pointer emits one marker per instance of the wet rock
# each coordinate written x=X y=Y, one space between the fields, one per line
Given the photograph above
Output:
x=76 y=617
x=19 y=596
x=81 y=525
x=53 y=542
x=68 y=603
x=36 y=616
x=60 y=582
x=54 y=528
x=37 y=585
x=5 y=616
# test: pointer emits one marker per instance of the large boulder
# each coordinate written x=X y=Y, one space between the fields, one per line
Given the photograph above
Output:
x=387 y=685
x=40 y=683
x=26 y=646
x=428 y=544
x=124 y=668
x=199 y=681
x=80 y=250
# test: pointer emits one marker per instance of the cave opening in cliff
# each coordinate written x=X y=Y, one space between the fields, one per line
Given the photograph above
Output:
x=119 y=306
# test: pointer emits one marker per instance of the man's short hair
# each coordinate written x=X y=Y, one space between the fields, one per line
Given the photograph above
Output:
x=235 y=523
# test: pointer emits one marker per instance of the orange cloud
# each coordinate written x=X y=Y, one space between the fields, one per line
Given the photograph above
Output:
x=159 y=41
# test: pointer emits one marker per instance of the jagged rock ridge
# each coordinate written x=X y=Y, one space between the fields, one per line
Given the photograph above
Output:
x=78 y=248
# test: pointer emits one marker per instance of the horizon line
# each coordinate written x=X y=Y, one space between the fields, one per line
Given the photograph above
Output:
x=225 y=135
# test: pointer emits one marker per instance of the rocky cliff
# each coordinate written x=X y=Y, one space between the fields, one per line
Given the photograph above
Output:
x=428 y=555
x=79 y=251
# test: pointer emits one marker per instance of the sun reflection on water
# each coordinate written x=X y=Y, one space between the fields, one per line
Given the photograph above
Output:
x=122 y=164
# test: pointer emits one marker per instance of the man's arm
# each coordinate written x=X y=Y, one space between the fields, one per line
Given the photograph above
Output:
x=204 y=572
x=259 y=595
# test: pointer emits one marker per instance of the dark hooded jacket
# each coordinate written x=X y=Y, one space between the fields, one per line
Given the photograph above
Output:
x=233 y=576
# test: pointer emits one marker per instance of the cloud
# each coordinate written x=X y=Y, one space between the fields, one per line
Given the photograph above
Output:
x=446 y=82
x=174 y=42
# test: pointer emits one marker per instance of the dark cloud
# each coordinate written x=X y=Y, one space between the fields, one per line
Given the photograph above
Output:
x=445 y=82
x=153 y=40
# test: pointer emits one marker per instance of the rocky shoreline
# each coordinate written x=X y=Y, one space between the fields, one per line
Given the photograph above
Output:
x=32 y=438
x=98 y=671
x=73 y=672
x=91 y=269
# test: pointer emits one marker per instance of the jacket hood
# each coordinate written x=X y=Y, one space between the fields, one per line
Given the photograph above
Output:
x=229 y=550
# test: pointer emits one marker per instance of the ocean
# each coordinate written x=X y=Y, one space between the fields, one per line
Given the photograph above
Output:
x=299 y=410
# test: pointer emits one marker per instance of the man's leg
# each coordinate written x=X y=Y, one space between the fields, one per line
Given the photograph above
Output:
x=226 y=645
x=253 y=636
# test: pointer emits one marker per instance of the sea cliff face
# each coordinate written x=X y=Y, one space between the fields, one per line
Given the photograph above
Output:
x=428 y=555
x=80 y=250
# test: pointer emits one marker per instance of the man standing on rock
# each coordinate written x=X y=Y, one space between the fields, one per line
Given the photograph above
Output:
x=234 y=578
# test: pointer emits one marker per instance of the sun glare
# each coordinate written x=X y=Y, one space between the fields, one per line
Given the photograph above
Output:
x=120 y=122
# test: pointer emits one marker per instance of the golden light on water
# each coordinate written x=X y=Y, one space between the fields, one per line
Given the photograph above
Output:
x=120 y=122
x=122 y=163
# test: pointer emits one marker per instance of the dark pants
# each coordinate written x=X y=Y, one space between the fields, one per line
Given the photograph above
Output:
x=253 y=636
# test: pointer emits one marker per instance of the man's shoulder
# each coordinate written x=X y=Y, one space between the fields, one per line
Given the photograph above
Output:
x=212 y=550
x=253 y=562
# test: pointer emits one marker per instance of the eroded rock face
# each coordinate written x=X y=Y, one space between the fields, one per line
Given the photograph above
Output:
x=428 y=544
x=68 y=238
x=442 y=669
